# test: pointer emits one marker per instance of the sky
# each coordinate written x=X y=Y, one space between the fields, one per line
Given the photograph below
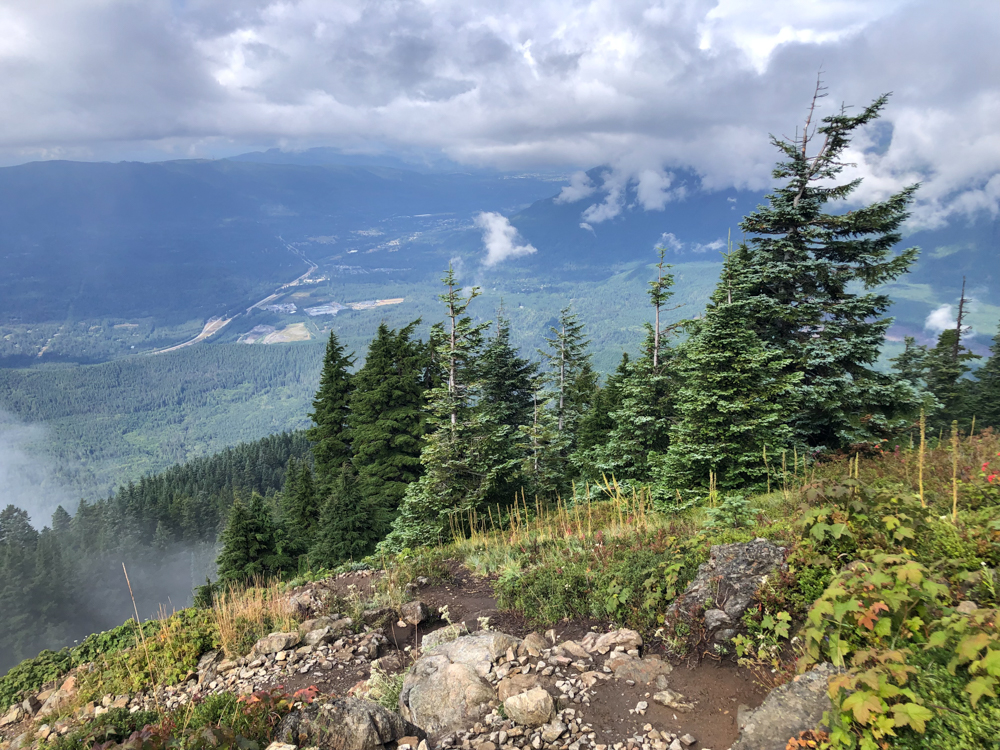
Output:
x=646 y=88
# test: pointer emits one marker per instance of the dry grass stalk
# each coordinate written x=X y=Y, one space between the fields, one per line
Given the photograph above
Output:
x=241 y=611
x=920 y=460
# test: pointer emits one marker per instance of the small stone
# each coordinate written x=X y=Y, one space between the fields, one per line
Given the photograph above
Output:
x=967 y=607
x=687 y=740
x=553 y=731
x=675 y=745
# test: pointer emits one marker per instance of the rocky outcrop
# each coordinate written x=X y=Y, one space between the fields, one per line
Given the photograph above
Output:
x=345 y=724
x=443 y=635
x=727 y=583
x=531 y=709
x=414 y=613
x=442 y=696
x=789 y=709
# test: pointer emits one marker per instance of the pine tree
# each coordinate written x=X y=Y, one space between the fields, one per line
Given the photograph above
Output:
x=987 y=388
x=734 y=402
x=300 y=508
x=249 y=543
x=597 y=424
x=567 y=359
x=946 y=369
x=350 y=525
x=387 y=418
x=446 y=493
x=800 y=272
x=911 y=364
x=505 y=405
x=544 y=464
x=330 y=437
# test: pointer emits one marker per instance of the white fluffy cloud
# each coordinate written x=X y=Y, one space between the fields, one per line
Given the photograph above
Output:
x=645 y=87
x=940 y=319
x=500 y=239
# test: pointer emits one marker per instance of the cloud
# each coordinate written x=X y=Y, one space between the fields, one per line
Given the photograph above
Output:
x=670 y=241
x=500 y=239
x=27 y=476
x=646 y=87
x=579 y=188
x=940 y=319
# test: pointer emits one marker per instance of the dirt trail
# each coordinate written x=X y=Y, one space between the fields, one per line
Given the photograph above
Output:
x=716 y=688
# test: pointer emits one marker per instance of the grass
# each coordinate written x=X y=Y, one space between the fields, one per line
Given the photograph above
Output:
x=243 y=615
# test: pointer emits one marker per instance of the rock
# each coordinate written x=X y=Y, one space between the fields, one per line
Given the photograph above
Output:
x=443 y=635
x=687 y=740
x=676 y=745
x=627 y=667
x=318 y=636
x=724 y=636
x=478 y=651
x=535 y=644
x=14 y=715
x=672 y=699
x=345 y=724
x=530 y=709
x=275 y=642
x=788 y=709
x=552 y=732
x=31 y=705
x=716 y=618
x=516 y=684
x=57 y=701
x=627 y=639
x=730 y=578
x=280 y=746
x=575 y=650
x=378 y=616
x=414 y=613
x=441 y=696
x=967 y=607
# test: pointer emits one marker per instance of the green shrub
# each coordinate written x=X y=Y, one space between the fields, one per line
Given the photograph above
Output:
x=31 y=674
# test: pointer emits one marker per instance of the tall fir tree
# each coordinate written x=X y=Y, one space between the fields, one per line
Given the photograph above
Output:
x=801 y=270
x=947 y=365
x=505 y=405
x=446 y=492
x=911 y=363
x=249 y=543
x=597 y=424
x=567 y=361
x=300 y=508
x=734 y=401
x=387 y=418
x=330 y=435
x=350 y=524
x=987 y=388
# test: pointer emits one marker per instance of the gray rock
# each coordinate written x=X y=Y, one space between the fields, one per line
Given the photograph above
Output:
x=715 y=619
x=443 y=635
x=530 y=709
x=478 y=651
x=535 y=644
x=275 y=642
x=318 y=636
x=14 y=715
x=31 y=705
x=516 y=684
x=627 y=639
x=789 y=709
x=674 y=700
x=724 y=636
x=730 y=578
x=627 y=667
x=967 y=607
x=415 y=612
x=345 y=724
x=552 y=732
x=441 y=696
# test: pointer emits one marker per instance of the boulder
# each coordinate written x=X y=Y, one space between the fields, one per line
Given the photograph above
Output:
x=414 y=613
x=443 y=635
x=318 y=636
x=14 y=715
x=31 y=705
x=345 y=724
x=788 y=710
x=443 y=696
x=516 y=684
x=275 y=642
x=479 y=651
x=530 y=709
x=716 y=618
x=627 y=639
x=336 y=624
x=730 y=578
x=535 y=644
x=57 y=701
x=575 y=650
x=379 y=616
x=646 y=670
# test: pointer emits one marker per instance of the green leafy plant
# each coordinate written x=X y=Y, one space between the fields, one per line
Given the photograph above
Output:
x=734 y=512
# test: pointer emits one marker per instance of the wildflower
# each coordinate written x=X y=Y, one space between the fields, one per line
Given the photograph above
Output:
x=985 y=465
x=990 y=478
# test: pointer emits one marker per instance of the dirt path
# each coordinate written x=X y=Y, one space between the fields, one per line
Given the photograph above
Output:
x=717 y=689
x=212 y=327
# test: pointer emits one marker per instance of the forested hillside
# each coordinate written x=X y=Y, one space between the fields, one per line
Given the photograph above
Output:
x=66 y=581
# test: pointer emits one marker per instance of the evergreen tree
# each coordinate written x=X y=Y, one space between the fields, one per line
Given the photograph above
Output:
x=596 y=425
x=567 y=360
x=734 y=402
x=911 y=364
x=330 y=437
x=987 y=388
x=387 y=417
x=300 y=508
x=505 y=405
x=446 y=492
x=350 y=525
x=544 y=464
x=249 y=543
x=947 y=365
x=800 y=272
